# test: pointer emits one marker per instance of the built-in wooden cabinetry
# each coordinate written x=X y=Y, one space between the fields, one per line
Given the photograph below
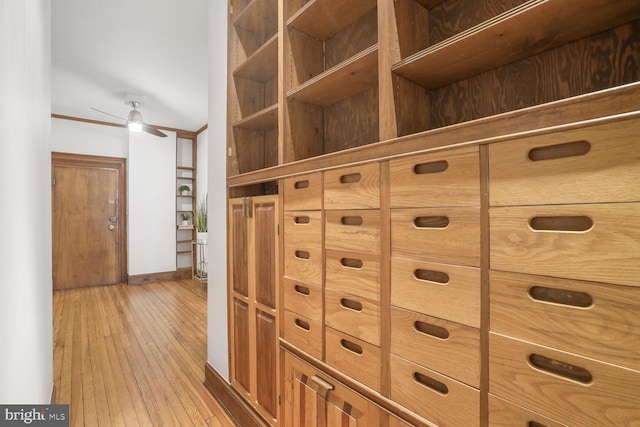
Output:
x=459 y=190
x=186 y=173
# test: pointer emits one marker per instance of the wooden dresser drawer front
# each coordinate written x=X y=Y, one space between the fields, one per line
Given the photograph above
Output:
x=443 y=178
x=303 y=228
x=599 y=242
x=450 y=235
x=446 y=347
x=506 y=414
x=356 y=187
x=357 y=274
x=304 y=333
x=433 y=289
x=303 y=263
x=353 y=315
x=594 y=164
x=353 y=231
x=303 y=192
x=433 y=396
x=565 y=387
x=303 y=298
x=356 y=358
x=595 y=320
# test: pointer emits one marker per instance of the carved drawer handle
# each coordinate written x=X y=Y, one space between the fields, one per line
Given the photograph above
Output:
x=559 y=151
x=303 y=290
x=431 y=383
x=301 y=219
x=351 y=220
x=431 y=330
x=351 y=263
x=431 y=222
x=351 y=346
x=561 y=296
x=303 y=325
x=431 y=167
x=560 y=369
x=562 y=224
x=351 y=304
x=433 y=276
x=350 y=178
x=301 y=184
x=302 y=255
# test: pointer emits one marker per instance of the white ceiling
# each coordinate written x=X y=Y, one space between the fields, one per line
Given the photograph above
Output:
x=104 y=49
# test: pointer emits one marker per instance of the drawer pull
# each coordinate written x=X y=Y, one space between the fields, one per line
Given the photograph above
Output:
x=431 y=167
x=351 y=304
x=351 y=346
x=303 y=290
x=562 y=369
x=351 y=220
x=303 y=255
x=534 y=424
x=558 y=151
x=322 y=383
x=351 y=263
x=431 y=276
x=561 y=296
x=431 y=222
x=432 y=330
x=303 y=325
x=301 y=219
x=301 y=184
x=350 y=178
x=568 y=224
x=429 y=382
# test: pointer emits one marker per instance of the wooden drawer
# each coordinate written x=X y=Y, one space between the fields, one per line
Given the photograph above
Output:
x=353 y=231
x=446 y=347
x=303 y=228
x=595 y=320
x=506 y=414
x=442 y=178
x=304 y=333
x=598 y=242
x=357 y=274
x=433 y=396
x=593 y=164
x=433 y=289
x=570 y=389
x=356 y=187
x=356 y=358
x=303 y=298
x=353 y=315
x=303 y=192
x=303 y=263
x=450 y=235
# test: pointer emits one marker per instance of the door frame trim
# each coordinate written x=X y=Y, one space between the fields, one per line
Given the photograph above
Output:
x=118 y=163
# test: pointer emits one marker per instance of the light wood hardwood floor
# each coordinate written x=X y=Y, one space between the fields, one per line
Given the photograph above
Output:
x=133 y=356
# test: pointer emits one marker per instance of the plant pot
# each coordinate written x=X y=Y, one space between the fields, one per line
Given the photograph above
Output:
x=201 y=236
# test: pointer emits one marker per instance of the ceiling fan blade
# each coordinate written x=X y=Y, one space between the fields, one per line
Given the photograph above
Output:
x=108 y=114
x=153 y=131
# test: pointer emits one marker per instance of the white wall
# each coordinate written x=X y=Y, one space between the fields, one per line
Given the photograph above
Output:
x=26 y=335
x=202 y=167
x=217 y=342
x=71 y=136
x=152 y=203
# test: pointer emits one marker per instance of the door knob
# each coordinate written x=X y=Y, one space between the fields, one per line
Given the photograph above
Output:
x=111 y=226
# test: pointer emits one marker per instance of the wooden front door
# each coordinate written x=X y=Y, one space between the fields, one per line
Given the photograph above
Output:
x=87 y=221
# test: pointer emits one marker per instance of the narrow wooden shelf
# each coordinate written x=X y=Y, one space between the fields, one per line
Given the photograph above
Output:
x=256 y=13
x=324 y=18
x=185 y=227
x=262 y=65
x=523 y=31
x=185 y=177
x=355 y=75
x=185 y=168
x=262 y=120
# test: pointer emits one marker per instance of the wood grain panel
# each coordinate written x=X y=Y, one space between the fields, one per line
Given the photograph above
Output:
x=239 y=249
x=352 y=122
x=353 y=231
x=266 y=350
x=608 y=251
x=303 y=228
x=506 y=414
x=355 y=273
x=358 y=359
x=303 y=298
x=614 y=56
x=303 y=192
x=353 y=315
x=265 y=247
x=303 y=263
x=304 y=333
x=306 y=59
x=445 y=178
x=592 y=319
x=351 y=39
x=356 y=187
x=241 y=368
x=600 y=396
x=433 y=396
x=449 y=348
x=412 y=21
x=592 y=164
x=451 y=286
x=455 y=238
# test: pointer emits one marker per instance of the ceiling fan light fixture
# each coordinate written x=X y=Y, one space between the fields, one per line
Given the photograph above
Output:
x=134 y=121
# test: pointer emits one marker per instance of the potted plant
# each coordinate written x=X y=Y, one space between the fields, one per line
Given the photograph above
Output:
x=183 y=189
x=200 y=218
x=186 y=216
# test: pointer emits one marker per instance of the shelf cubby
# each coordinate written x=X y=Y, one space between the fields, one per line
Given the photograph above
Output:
x=254 y=23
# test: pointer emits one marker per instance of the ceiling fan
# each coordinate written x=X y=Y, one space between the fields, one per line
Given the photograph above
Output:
x=134 y=120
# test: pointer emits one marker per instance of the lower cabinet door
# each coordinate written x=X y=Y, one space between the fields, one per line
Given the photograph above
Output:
x=313 y=399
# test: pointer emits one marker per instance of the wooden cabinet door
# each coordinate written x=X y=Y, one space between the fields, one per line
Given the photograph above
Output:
x=312 y=399
x=254 y=272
